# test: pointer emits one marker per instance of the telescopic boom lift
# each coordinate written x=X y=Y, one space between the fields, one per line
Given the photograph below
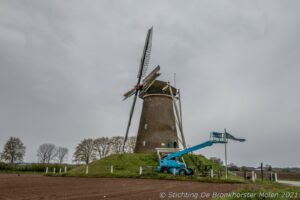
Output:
x=172 y=164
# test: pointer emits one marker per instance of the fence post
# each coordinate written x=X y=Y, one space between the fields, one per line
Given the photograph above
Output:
x=272 y=176
x=141 y=170
x=87 y=169
x=253 y=177
x=60 y=170
x=275 y=176
x=262 y=171
x=112 y=169
x=65 y=169
x=174 y=171
x=54 y=170
x=211 y=173
x=46 y=170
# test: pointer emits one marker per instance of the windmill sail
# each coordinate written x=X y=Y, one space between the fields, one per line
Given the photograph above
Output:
x=129 y=93
x=142 y=71
x=152 y=75
x=146 y=54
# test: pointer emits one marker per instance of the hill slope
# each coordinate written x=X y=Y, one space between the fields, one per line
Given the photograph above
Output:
x=129 y=164
x=122 y=164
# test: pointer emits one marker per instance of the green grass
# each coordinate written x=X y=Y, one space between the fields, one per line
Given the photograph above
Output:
x=124 y=164
x=204 y=161
x=32 y=168
x=127 y=166
x=130 y=163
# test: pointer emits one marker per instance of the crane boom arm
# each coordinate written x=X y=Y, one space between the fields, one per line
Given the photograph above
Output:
x=188 y=150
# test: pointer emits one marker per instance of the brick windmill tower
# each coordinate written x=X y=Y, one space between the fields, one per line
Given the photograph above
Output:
x=160 y=119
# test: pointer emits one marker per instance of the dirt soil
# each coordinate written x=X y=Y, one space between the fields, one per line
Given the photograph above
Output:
x=40 y=187
x=288 y=176
x=280 y=175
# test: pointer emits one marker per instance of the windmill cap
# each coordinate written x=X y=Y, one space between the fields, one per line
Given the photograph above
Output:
x=157 y=88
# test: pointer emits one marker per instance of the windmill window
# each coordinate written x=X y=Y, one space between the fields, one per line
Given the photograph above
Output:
x=144 y=143
x=175 y=144
x=146 y=126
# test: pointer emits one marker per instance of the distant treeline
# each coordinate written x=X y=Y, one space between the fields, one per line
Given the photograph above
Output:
x=288 y=169
x=93 y=149
x=86 y=151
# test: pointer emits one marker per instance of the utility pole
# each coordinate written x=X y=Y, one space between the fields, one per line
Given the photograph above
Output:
x=226 y=172
x=262 y=171
x=175 y=80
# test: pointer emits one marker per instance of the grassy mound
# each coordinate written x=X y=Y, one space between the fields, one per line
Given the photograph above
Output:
x=123 y=164
x=199 y=161
x=129 y=164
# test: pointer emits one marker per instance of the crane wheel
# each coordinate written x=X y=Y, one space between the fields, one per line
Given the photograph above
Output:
x=192 y=171
x=164 y=170
x=182 y=172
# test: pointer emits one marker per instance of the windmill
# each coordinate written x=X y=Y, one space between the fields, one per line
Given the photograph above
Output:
x=158 y=123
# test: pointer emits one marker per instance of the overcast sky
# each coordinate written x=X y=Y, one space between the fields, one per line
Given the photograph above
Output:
x=64 y=66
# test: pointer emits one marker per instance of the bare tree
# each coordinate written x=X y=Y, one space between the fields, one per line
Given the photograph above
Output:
x=130 y=145
x=46 y=153
x=85 y=151
x=102 y=146
x=116 y=144
x=62 y=152
x=14 y=150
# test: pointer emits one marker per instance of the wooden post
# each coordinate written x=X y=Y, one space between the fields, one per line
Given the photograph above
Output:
x=112 y=169
x=211 y=173
x=60 y=170
x=174 y=79
x=65 y=169
x=262 y=171
x=275 y=177
x=253 y=177
x=46 y=170
x=87 y=169
x=226 y=170
x=54 y=171
x=141 y=170
x=174 y=171
x=272 y=177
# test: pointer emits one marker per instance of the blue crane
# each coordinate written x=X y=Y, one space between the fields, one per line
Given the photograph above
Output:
x=171 y=163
